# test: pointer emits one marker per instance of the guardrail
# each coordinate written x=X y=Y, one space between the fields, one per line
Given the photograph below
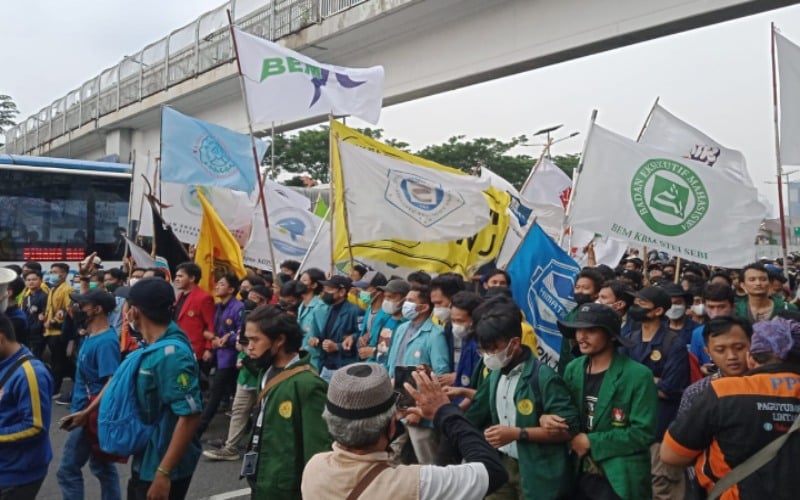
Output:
x=185 y=53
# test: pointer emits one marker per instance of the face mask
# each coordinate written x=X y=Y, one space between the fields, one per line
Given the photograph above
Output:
x=131 y=282
x=249 y=305
x=699 y=309
x=328 y=298
x=582 y=298
x=460 y=331
x=676 y=312
x=76 y=287
x=638 y=313
x=264 y=361
x=80 y=318
x=92 y=285
x=365 y=297
x=390 y=307
x=111 y=287
x=133 y=332
x=498 y=360
x=442 y=314
x=410 y=311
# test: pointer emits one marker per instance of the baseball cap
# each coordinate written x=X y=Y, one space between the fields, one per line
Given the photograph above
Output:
x=593 y=315
x=98 y=297
x=633 y=275
x=774 y=336
x=359 y=391
x=371 y=279
x=775 y=272
x=674 y=290
x=151 y=294
x=338 y=282
x=654 y=294
x=396 y=286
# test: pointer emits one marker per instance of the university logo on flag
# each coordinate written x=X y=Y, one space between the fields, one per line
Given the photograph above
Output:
x=295 y=230
x=668 y=196
x=421 y=199
x=550 y=293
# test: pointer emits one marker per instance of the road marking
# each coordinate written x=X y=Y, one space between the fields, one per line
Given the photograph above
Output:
x=230 y=494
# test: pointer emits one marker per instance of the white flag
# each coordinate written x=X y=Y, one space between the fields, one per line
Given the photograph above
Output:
x=140 y=255
x=608 y=251
x=668 y=132
x=638 y=193
x=789 y=92
x=282 y=84
x=387 y=198
x=548 y=190
x=183 y=212
x=292 y=227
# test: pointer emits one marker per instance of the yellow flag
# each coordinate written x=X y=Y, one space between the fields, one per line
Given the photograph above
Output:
x=462 y=256
x=217 y=251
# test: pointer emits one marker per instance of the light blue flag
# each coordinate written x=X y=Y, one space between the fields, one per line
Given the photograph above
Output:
x=543 y=282
x=201 y=153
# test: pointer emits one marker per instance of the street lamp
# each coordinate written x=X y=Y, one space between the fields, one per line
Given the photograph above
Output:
x=549 y=142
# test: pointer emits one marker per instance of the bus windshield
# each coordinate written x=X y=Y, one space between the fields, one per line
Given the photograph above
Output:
x=53 y=210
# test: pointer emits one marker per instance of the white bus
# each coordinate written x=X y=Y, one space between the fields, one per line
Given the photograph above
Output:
x=61 y=210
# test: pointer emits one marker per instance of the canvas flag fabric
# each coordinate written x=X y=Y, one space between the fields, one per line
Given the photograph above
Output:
x=201 y=153
x=789 y=104
x=292 y=228
x=548 y=190
x=321 y=209
x=217 y=251
x=392 y=198
x=167 y=243
x=140 y=256
x=608 y=251
x=182 y=209
x=282 y=84
x=462 y=256
x=668 y=132
x=640 y=194
x=319 y=252
x=542 y=283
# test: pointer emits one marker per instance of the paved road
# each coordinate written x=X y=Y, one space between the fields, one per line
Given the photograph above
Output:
x=212 y=480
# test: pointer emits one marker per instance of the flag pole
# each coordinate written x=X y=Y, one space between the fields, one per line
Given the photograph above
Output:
x=141 y=200
x=575 y=178
x=343 y=200
x=531 y=223
x=313 y=241
x=331 y=188
x=778 y=166
x=536 y=165
x=256 y=162
x=647 y=120
x=130 y=208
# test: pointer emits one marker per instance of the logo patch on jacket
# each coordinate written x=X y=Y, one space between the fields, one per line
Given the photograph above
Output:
x=285 y=409
x=618 y=417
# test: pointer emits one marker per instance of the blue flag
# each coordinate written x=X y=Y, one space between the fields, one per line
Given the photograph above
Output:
x=201 y=153
x=543 y=283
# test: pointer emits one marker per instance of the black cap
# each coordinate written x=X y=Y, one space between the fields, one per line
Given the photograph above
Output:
x=338 y=282
x=151 y=294
x=656 y=295
x=377 y=279
x=674 y=290
x=263 y=291
x=593 y=315
x=399 y=286
x=97 y=297
x=633 y=275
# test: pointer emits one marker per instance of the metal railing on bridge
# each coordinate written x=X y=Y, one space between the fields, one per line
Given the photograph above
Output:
x=191 y=50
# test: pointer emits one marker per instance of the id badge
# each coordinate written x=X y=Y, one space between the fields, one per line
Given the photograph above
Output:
x=249 y=463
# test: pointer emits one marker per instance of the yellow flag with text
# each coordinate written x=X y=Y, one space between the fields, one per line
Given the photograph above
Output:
x=217 y=252
x=462 y=256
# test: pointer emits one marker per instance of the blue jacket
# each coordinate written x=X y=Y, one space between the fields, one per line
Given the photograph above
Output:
x=697 y=346
x=426 y=345
x=311 y=319
x=25 y=408
x=346 y=323
x=469 y=360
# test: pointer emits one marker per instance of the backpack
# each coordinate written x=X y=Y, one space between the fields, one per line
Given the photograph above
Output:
x=120 y=428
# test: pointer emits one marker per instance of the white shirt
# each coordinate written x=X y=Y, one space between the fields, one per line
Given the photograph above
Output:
x=453 y=482
x=506 y=406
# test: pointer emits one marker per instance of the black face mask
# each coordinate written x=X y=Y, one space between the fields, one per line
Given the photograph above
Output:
x=249 y=305
x=80 y=318
x=328 y=298
x=639 y=313
x=582 y=298
x=260 y=364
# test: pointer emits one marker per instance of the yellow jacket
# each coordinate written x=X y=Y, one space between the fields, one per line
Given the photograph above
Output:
x=57 y=302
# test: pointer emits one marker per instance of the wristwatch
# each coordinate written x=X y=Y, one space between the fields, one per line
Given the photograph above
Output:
x=523 y=434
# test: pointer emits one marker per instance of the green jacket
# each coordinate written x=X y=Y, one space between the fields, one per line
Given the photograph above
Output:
x=292 y=431
x=741 y=307
x=545 y=468
x=624 y=422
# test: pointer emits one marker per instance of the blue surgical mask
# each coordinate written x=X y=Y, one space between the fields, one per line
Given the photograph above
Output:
x=410 y=311
x=365 y=297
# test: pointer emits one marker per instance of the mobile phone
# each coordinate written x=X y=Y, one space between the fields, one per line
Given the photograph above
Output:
x=402 y=374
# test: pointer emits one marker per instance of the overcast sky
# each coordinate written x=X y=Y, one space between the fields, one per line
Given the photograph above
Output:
x=717 y=78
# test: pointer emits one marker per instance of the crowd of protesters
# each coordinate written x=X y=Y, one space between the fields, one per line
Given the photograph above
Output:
x=671 y=376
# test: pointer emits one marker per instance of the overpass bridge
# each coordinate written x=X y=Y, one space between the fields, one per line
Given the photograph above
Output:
x=426 y=47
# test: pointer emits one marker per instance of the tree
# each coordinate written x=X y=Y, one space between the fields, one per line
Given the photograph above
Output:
x=8 y=113
x=567 y=163
x=483 y=152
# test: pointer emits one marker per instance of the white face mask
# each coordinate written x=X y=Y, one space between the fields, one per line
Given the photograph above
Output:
x=442 y=314
x=699 y=309
x=410 y=311
x=676 y=312
x=460 y=331
x=390 y=307
x=498 y=360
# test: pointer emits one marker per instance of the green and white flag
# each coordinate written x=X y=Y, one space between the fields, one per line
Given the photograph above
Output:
x=641 y=194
